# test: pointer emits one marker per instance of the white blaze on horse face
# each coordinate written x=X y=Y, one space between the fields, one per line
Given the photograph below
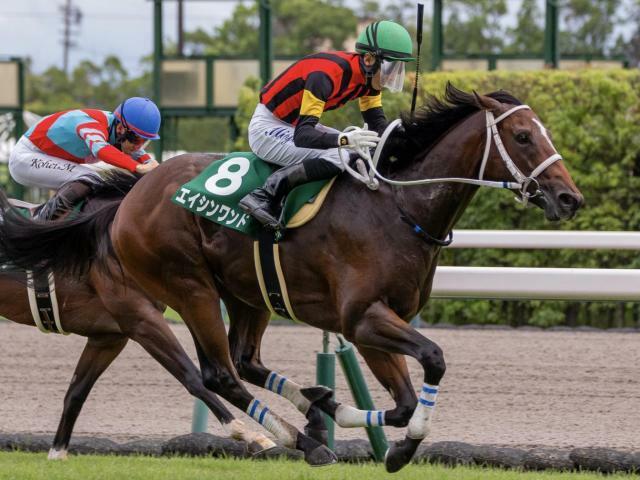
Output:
x=544 y=133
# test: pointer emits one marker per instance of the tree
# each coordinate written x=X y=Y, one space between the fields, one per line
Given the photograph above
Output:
x=589 y=26
x=296 y=32
x=474 y=26
x=528 y=34
x=632 y=47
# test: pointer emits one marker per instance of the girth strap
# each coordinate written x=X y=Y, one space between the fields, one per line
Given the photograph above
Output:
x=43 y=302
x=270 y=275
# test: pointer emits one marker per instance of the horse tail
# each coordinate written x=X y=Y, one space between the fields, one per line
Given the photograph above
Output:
x=68 y=246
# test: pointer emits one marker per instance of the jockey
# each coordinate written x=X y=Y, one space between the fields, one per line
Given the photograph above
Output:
x=55 y=152
x=285 y=128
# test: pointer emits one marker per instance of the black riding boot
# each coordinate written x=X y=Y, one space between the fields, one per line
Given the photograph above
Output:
x=265 y=203
x=64 y=200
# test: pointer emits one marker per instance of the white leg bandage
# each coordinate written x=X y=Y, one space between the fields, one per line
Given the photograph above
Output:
x=261 y=414
x=348 y=417
x=420 y=423
x=290 y=390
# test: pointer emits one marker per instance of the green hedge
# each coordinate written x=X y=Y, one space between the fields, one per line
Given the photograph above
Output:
x=595 y=120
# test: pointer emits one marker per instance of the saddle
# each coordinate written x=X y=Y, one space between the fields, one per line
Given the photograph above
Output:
x=215 y=193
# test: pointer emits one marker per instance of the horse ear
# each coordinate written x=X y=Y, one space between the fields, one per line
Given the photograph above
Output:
x=487 y=103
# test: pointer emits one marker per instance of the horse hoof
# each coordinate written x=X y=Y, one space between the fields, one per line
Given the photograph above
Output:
x=321 y=456
x=256 y=448
x=315 y=394
x=269 y=453
x=57 y=454
x=400 y=454
x=321 y=436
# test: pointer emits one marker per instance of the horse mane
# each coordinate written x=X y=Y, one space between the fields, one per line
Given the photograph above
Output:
x=115 y=185
x=426 y=126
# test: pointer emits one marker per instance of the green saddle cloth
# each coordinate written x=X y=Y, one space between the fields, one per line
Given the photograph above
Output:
x=215 y=193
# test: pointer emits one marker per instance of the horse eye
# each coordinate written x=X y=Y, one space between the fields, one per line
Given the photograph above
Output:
x=522 y=138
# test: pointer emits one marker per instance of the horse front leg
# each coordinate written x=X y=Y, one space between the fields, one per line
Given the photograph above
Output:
x=390 y=369
x=96 y=357
x=381 y=329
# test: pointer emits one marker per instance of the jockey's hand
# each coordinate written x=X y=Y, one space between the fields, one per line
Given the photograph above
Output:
x=147 y=166
x=359 y=140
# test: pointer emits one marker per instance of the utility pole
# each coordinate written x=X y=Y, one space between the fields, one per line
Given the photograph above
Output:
x=72 y=16
x=180 y=27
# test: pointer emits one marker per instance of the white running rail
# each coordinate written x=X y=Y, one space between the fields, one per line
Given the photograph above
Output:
x=586 y=284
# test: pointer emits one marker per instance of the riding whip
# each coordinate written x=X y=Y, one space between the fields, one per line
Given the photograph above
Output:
x=419 y=40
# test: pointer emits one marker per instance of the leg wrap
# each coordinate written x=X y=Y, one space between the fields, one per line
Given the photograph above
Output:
x=348 y=417
x=420 y=423
x=290 y=390
x=261 y=414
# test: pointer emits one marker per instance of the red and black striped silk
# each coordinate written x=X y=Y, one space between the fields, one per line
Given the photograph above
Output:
x=315 y=84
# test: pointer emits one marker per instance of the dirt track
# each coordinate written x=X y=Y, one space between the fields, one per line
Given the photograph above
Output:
x=502 y=387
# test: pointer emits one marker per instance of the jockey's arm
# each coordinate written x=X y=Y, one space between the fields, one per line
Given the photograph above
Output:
x=115 y=157
x=96 y=139
x=317 y=90
x=372 y=112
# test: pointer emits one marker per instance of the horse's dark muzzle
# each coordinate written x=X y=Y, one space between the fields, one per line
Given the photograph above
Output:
x=562 y=205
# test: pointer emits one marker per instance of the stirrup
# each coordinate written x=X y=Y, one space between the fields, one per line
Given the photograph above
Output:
x=260 y=210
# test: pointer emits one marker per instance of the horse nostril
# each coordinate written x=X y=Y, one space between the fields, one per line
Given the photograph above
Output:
x=570 y=201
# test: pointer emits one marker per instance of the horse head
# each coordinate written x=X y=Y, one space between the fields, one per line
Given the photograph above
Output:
x=485 y=140
x=522 y=141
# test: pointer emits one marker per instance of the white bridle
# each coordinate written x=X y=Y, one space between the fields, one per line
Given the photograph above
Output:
x=521 y=184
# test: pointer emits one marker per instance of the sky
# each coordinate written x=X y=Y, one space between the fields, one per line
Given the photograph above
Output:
x=124 y=28
x=113 y=27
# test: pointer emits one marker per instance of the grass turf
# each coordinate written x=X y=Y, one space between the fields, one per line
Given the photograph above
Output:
x=29 y=466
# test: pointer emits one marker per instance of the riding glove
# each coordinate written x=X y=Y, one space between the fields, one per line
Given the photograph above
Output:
x=359 y=140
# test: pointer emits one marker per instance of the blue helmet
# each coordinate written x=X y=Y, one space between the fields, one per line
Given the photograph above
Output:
x=141 y=116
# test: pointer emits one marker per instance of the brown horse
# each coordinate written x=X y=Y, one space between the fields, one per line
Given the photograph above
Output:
x=109 y=310
x=363 y=267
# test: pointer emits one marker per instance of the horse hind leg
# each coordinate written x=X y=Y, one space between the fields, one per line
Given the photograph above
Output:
x=98 y=354
x=154 y=335
x=245 y=337
x=202 y=313
x=380 y=328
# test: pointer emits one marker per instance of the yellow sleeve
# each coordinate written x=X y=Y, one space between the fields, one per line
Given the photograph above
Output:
x=311 y=105
x=367 y=103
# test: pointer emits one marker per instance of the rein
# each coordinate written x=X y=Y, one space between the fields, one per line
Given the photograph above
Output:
x=522 y=183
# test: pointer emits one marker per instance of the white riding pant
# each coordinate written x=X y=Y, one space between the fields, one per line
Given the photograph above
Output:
x=272 y=140
x=31 y=167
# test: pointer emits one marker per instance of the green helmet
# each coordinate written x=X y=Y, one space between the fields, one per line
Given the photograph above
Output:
x=387 y=40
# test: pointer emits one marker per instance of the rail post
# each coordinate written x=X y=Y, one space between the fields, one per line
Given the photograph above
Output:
x=200 y=416
x=326 y=375
x=361 y=395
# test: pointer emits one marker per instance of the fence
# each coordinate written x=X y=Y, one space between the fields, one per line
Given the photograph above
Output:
x=587 y=284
